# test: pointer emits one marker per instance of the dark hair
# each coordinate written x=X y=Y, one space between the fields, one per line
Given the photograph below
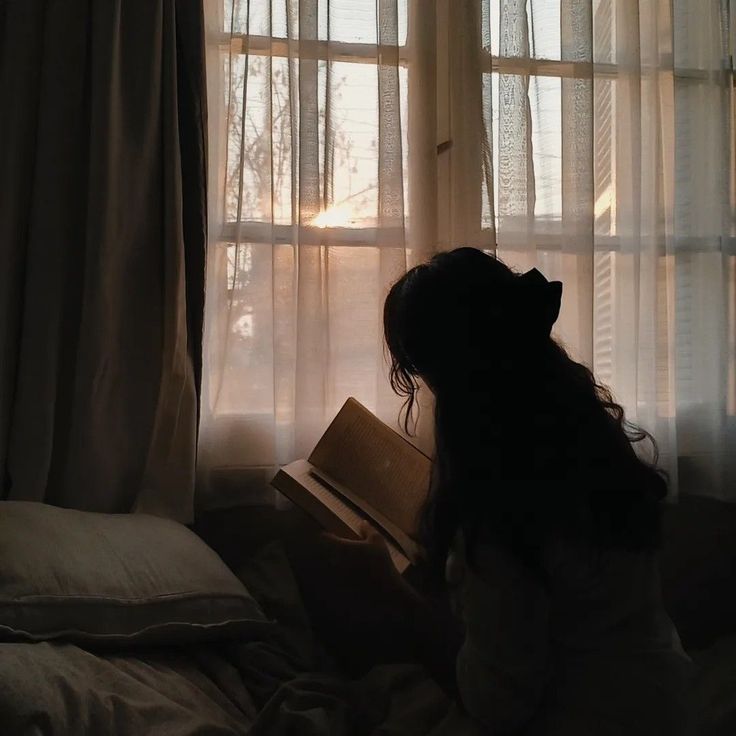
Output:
x=528 y=444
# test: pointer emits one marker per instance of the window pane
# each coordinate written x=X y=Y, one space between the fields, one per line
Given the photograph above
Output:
x=490 y=25
x=507 y=22
x=262 y=133
x=246 y=382
x=259 y=136
x=701 y=173
x=544 y=28
x=356 y=21
x=355 y=140
x=354 y=127
x=604 y=51
x=255 y=17
x=540 y=172
x=604 y=156
x=546 y=107
x=260 y=331
x=700 y=39
x=347 y=21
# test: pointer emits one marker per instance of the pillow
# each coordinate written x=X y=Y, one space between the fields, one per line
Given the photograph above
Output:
x=113 y=578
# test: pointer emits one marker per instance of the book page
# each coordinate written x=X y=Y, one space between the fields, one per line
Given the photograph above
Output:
x=375 y=463
x=396 y=535
x=349 y=517
x=303 y=472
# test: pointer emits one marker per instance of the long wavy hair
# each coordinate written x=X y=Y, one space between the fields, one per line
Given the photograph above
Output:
x=528 y=444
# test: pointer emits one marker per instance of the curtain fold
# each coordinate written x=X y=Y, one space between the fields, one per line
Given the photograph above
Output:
x=102 y=229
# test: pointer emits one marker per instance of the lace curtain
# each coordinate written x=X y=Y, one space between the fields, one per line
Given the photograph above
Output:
x=612 y=169
x=350 y=139
x=308 y=203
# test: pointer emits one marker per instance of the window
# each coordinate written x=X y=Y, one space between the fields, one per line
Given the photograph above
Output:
x=312 y=151
x=592 y=139
x=339 y=65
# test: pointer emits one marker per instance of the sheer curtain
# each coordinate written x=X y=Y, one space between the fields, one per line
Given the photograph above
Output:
x=599 y=147
x=308 y=110
x=352 y=138
x=611 y=167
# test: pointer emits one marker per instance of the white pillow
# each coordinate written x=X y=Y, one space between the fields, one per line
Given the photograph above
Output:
x=114 y=578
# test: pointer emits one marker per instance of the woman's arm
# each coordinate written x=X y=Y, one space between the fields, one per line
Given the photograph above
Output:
x=503 y=664
x=365 y=613
x=436 y=637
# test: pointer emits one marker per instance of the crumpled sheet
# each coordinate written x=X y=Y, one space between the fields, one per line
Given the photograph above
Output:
x=714 y=688
x=275 y=681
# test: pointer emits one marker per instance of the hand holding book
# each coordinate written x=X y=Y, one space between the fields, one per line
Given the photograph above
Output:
x=361 y=469
x=366 y=484
x=358 y=603
x=365 y=613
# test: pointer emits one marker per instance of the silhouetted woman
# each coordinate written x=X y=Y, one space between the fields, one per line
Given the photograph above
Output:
x=543 y=517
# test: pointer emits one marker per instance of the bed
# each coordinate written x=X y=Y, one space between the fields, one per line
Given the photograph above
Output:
x=273 y=678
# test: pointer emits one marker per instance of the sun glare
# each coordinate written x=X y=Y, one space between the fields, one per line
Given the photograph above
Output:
x=339 y=215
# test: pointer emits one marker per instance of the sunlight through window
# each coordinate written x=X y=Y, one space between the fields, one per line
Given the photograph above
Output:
x=339 y=215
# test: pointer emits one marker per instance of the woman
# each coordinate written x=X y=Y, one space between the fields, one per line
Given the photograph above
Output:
x=544 y=519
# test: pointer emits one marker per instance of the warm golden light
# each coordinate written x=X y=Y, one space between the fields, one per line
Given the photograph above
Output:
x=339 y=215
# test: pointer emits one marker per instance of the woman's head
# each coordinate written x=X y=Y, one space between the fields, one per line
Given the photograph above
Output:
x=464 y=314
x=525 y=436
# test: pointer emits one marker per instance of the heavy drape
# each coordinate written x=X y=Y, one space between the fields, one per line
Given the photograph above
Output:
x=102 y=236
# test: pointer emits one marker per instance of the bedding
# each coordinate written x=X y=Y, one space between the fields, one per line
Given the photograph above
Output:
x=714 y=688
x=274 y=680
x=118 y=579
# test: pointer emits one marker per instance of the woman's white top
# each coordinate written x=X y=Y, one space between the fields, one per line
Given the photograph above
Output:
x=591 y=652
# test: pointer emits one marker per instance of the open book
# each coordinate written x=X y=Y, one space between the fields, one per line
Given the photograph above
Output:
x=361 y=469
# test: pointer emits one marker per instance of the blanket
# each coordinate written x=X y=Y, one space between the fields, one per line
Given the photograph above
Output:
x=277 y=680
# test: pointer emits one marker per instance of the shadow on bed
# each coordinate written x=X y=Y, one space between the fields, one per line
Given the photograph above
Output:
x=698 y=559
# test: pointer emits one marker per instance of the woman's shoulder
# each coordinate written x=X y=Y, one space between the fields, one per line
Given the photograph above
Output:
x=490 y=562
x=560 y=559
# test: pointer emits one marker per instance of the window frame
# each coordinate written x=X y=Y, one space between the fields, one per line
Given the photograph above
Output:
x=268 y=233
x=264 y=232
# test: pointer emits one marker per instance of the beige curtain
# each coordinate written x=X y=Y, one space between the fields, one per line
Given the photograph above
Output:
x=611 y=127
x=101 y=238
x=308 y=224
x=593 y=140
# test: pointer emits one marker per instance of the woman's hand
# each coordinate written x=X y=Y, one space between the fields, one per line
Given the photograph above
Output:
x=360 y=607
x=358 y=578
x=363 y=563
